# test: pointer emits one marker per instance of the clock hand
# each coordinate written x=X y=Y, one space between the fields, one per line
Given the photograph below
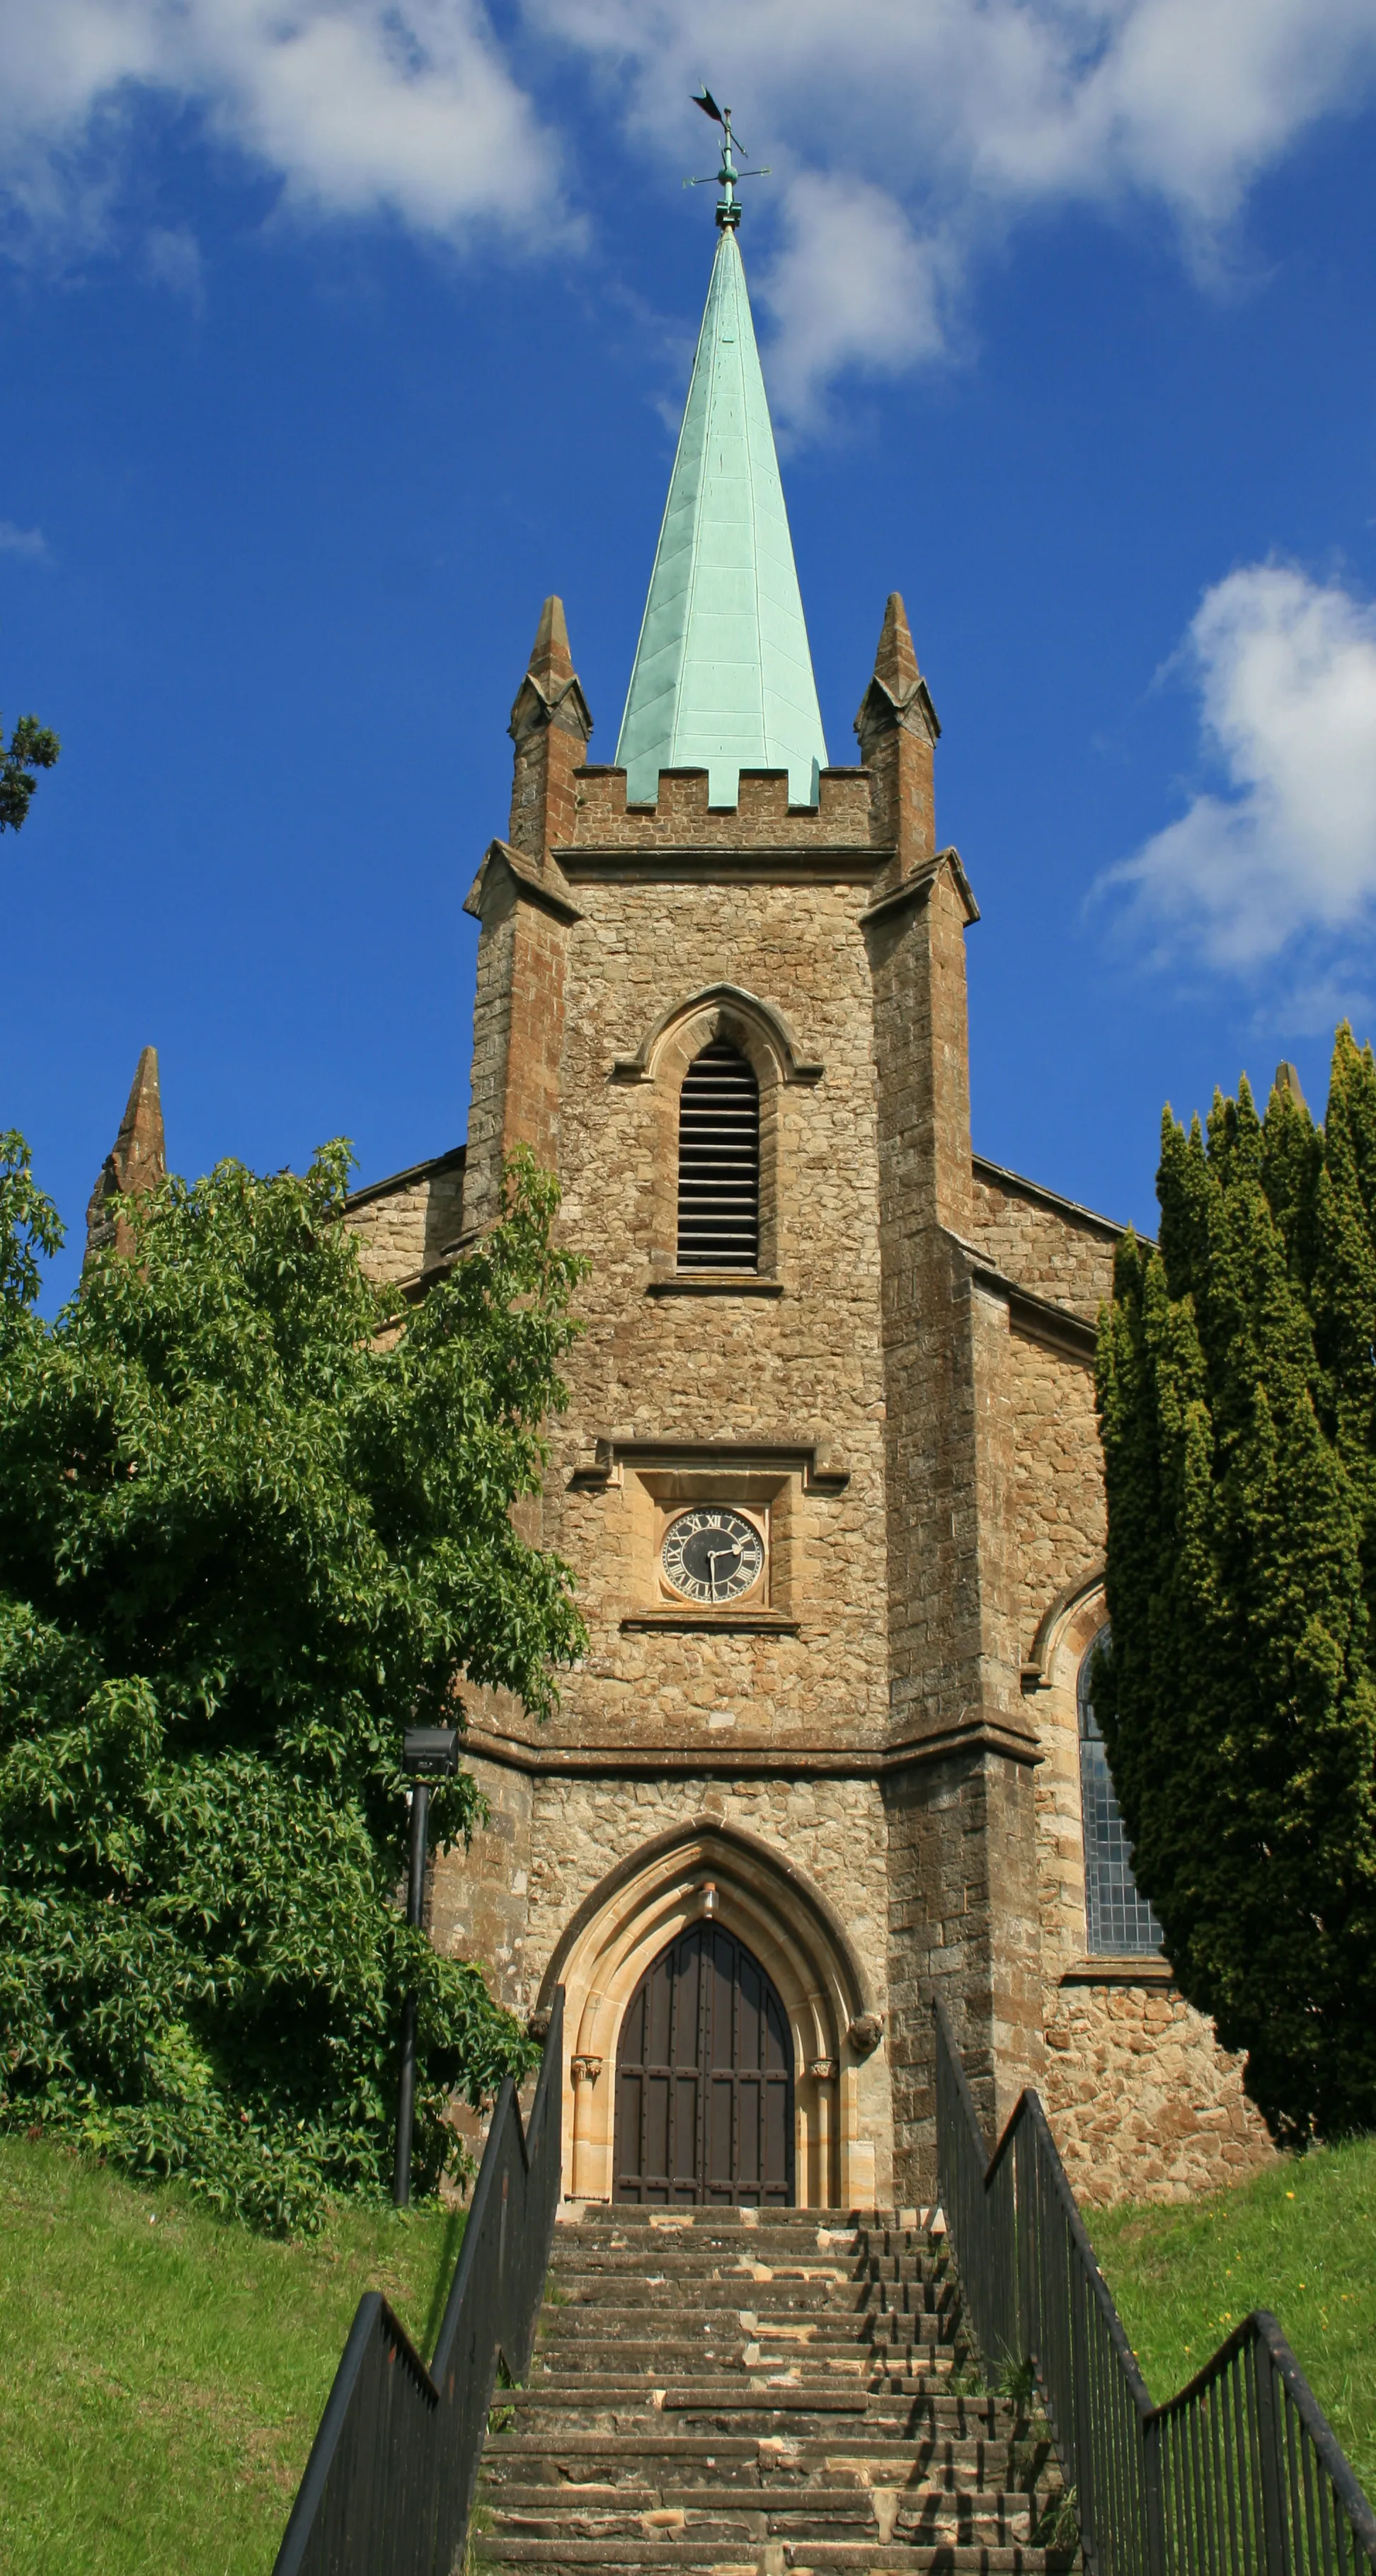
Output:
x=714 y=1557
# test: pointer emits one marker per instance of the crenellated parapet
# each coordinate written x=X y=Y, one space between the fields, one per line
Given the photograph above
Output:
x=606 y=819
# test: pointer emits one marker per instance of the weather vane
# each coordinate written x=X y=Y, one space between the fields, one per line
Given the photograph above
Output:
x=727 y=177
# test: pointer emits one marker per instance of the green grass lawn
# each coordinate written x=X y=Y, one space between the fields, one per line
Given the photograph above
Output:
x=162 y=2374
x=1299 y=2239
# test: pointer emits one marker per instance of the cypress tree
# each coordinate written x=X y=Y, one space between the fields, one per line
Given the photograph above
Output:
x=1237 y=1398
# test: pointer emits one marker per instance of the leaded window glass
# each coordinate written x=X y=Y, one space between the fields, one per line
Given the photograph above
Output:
x=1117 y=1919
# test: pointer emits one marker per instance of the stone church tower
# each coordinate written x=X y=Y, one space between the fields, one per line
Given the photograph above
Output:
x=830 y=1478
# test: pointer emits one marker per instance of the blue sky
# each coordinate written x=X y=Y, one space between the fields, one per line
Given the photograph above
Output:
x=338 y=334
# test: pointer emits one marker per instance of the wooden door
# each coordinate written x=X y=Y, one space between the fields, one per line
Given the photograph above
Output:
x=704 y=2080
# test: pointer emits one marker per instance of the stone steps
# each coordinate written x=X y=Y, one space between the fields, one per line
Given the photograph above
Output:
x=825 y=2309
x=596 y=2338
x=757 y=2394
x=823 y=2283
x=838 y=2512
x=788 y=2558
x=656 y=2460
x=742 y=2236
x=766 y=2379
x=800 y=2410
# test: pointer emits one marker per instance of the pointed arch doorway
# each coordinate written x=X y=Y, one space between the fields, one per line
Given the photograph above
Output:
x=704 y=2080
x=708 y=1870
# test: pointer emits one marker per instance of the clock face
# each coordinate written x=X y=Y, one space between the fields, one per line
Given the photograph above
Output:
x=712 y=1554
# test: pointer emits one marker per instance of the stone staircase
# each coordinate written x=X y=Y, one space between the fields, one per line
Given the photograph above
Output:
x=749 y=2392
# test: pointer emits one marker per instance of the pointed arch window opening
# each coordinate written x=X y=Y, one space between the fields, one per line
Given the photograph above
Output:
x=719 y=1162
x=1119 y=1921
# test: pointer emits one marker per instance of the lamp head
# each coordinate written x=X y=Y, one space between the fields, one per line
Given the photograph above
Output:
x=430 y=1752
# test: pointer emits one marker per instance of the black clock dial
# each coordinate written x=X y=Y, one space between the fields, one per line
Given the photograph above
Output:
x=712 y=1554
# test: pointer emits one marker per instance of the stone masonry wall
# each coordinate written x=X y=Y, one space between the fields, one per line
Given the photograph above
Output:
x=682 y=818
x=518 y=1026
x=925 y=1473
x=935 y=1598
x=833 y=1829
x=1143 y=2103
x=745 y=1372
x=403 y=1225
x=1059 y=1252
x=1056 y=1497
x=962 y=1924
x=480 y=1896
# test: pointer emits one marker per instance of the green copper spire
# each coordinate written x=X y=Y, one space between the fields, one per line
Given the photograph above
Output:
x=723 y=676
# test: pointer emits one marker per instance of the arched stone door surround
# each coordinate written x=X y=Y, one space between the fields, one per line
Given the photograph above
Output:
x=714 y=1871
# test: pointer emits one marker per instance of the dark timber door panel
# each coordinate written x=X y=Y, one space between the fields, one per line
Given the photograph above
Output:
x=704 y=2079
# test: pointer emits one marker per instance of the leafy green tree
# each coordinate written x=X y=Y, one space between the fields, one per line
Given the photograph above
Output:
x=30 y=1229
x=255 y=1519
x=31 y=747
x=1237 y=1400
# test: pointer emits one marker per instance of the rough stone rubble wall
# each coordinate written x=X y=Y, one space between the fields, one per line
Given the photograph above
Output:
x=800 y=1367
x=1050 y=1251
x=403 y=1228
x=1143 y=2103
x=833 y=1829
x=480 y=1897
x=1056 y=1489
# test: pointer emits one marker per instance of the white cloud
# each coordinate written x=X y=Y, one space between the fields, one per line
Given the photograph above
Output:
x=929 y=127
x=852 y=286
x=1019 y=99
x=907 y=134
x=359 y=107
x=22 y=541
x=1286 y=673
x=172 y=258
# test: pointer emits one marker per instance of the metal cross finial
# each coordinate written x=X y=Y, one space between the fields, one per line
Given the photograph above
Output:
x=727 y=177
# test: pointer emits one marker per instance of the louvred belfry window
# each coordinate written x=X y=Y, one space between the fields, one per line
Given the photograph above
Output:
x=719 y=1162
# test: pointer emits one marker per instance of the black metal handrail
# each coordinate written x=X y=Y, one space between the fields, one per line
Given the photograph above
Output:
x=1241 y=2474
x=390 y=2480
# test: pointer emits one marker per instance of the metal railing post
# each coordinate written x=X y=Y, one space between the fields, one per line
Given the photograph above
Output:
x=1240 y=2472
x=1270 y=2397
x=1153 y=2484
x=389 y=2484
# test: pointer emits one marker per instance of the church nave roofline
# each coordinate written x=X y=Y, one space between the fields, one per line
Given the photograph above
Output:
x=451 y=1160
x=1021 y=1187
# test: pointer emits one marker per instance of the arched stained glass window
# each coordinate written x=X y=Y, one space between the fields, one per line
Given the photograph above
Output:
x=1117 y=1919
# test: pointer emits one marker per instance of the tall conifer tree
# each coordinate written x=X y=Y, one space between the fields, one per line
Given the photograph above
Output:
x=1237 y=1400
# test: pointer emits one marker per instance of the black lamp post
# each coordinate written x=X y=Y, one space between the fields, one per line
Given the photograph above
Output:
x=428 y=1753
